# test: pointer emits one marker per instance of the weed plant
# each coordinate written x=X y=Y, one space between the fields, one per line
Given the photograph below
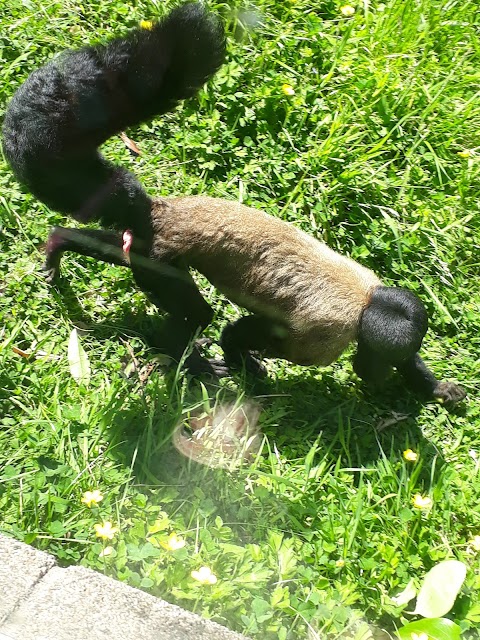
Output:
x=362 y=130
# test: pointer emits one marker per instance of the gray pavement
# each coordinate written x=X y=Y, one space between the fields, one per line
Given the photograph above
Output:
x=41 y=601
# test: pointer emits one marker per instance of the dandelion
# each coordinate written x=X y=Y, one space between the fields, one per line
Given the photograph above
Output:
x=410 y=455
x=466 y=153
x=421 y=502
x=347 y=10
x=288 y=90
x=105 y=531
x=475 y=543
x=204 y=575
x=92 y=498
x=173 y=543
x=105 y=552
x=146 y=24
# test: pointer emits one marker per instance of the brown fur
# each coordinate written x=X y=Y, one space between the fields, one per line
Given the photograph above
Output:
x=269 y=267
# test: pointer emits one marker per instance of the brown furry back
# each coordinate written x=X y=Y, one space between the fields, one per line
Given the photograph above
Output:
x=268 y=266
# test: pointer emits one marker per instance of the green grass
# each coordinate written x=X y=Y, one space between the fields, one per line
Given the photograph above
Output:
x=314 y=538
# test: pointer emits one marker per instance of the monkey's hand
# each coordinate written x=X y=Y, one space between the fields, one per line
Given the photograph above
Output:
x=448 y=393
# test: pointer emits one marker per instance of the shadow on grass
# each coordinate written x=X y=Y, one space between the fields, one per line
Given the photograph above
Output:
x=354 y=423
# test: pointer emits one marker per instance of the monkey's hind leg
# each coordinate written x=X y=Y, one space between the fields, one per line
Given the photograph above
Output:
x=173 y=290
x=102 y=245
x=245 y=341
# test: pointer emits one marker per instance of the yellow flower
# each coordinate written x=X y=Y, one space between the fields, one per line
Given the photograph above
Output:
x=92 y=498
x=173 y=543
x=347 y=10
x=421 y=502
x=105 y=531
x=410 y=455
x=105 y=552
x=475 y=543
x=340 y=563
x=288 y=90
x=147 y=24
x=204 y=575
x=466 y=153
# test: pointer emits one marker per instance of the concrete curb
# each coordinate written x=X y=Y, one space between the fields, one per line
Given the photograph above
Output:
x=41 y=601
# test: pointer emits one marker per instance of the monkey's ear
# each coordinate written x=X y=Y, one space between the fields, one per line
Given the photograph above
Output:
x=393 y=325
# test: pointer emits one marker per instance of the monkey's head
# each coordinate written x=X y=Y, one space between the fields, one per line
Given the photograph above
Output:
x=391 y=331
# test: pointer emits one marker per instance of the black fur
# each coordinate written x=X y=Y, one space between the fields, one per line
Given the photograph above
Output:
x=391 y=331
x=394 y=324
x=66 y=109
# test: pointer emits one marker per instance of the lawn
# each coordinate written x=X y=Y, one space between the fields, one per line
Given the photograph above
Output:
x=361 y=129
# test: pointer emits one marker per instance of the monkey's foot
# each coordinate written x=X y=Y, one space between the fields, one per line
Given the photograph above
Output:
x=249 y=362
x=50 y=273
x=254 y=366
x=448 y=393
x=203 y=342
x=197 y=365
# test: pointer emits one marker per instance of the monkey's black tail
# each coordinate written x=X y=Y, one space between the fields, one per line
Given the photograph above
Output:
x=66 y=109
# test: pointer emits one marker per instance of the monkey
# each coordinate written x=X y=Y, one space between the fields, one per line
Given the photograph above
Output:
x=307 y=303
